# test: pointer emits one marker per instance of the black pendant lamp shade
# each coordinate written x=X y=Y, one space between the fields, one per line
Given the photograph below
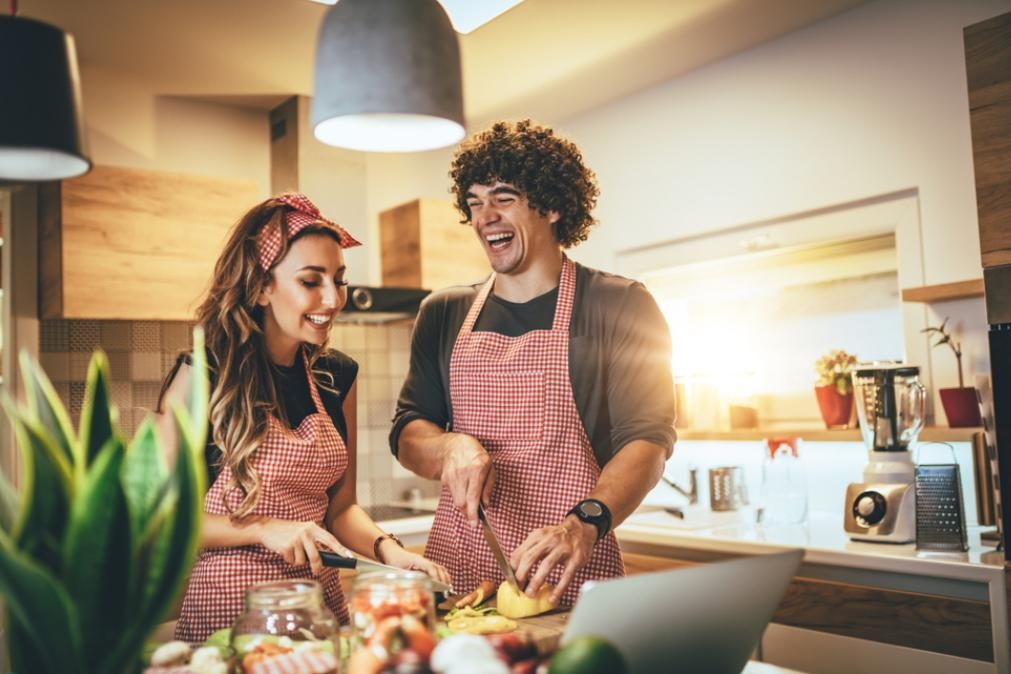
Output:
x=388 y=77
x=41 y=124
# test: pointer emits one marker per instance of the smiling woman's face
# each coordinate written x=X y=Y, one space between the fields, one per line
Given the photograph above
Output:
x=307 y=289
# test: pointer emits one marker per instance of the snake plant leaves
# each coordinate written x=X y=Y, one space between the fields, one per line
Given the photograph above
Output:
x=97 y=410
x=172 y=540
x=47 y=485
x=144 y=479
x=97 y=553
x=41 y=609
x=44 y=404
x=10 y=500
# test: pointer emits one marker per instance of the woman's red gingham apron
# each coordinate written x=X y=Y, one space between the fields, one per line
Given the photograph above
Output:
x=514 y=395
x=296 y=467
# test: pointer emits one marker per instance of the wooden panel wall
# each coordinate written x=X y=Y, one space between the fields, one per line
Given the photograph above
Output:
x=425 y=246
x=988 y=69
x=137 y=244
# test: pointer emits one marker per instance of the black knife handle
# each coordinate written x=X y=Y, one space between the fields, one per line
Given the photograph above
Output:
x=337 y=561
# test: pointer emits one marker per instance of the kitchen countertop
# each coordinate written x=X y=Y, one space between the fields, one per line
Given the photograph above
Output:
x=822 y=537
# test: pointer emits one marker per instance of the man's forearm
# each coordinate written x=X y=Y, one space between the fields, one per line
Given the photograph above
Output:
x=421 y=447
x=628 y=477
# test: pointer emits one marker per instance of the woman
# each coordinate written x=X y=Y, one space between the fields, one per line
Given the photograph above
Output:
x=282 y=418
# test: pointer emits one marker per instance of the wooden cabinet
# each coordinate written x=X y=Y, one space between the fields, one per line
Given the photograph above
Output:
x=423 y=245
x=988 y=70
x=123 y=243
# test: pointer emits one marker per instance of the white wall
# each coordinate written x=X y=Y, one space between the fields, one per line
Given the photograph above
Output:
x=128 y=125
x=870 y=102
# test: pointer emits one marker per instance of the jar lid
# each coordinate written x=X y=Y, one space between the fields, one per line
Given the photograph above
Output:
x=285 y=594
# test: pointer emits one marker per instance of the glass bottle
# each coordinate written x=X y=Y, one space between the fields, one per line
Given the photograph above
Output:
x=286 y=627
x=784 y=485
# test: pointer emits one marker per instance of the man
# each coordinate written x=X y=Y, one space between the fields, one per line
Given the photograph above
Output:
x=545 y=392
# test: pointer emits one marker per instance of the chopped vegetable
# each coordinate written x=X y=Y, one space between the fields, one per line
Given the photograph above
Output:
x=491 y=624
x=480 y=594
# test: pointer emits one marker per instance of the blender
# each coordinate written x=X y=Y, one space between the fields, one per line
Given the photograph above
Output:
x=890 y=404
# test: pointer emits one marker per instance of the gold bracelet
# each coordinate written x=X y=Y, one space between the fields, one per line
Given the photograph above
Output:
x=375 y=546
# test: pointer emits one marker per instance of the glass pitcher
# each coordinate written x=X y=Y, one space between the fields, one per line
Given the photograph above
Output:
x=891 y=403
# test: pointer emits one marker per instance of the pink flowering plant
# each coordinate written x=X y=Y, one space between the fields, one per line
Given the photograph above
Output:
x=834 y=370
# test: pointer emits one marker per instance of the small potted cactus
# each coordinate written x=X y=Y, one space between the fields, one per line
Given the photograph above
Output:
x=834 y=388
x=960 y=405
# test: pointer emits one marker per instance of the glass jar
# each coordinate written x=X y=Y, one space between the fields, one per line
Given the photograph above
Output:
x=286 y=627
x=393 y=611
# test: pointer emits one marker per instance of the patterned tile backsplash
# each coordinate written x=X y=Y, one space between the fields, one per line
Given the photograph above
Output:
x=141 y=353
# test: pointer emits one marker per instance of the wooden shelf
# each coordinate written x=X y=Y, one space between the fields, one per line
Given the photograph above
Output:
x=816 y=434
x=943 y=292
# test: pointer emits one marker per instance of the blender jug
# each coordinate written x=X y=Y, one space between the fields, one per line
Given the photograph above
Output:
x=891 y=403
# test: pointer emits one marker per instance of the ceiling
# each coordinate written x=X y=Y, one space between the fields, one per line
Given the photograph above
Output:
x=545 y=59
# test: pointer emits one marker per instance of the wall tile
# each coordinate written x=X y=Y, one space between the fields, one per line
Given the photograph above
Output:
x=378 y=364
x=176 y=336
x=84 y=336
x=115 y=335
x=145 y=366
x=145 y=394
x=377 y=338
x=79 y=361
x=54 y=335
x=122 y=395
x=146 y=336
x=119 y=365
x=352 y=338
x=63 y=391
x=75 y=400
x=56 y=365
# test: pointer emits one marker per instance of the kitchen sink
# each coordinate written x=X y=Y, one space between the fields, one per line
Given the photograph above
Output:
x=693 y=517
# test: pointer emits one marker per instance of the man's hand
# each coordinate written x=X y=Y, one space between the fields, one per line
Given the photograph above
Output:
x=298 y=542
x=468 y=473
x=569 y=543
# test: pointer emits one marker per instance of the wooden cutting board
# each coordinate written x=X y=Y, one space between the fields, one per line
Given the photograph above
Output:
x=544 y=630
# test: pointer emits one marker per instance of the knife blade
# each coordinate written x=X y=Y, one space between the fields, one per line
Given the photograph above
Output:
x=496 y=549
x=363 y=565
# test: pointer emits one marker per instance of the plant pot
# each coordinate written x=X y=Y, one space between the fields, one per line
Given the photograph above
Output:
x=961 y=407
x=835 y=407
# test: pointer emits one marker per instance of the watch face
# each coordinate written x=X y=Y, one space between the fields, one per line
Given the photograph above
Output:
x=591 y=509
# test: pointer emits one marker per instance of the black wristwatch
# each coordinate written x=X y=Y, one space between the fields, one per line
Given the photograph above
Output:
x=593 y=512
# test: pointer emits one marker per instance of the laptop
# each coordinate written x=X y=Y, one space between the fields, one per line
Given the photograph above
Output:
x=706 y=619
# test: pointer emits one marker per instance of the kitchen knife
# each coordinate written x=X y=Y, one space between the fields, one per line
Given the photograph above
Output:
x=496 y=549
x=367 y=565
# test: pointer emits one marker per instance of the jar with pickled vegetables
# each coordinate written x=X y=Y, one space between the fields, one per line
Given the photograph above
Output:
x=393 y=615
x=285 y=627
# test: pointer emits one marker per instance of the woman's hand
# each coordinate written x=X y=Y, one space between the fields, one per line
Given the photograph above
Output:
x=394 y=555
x=298 y=542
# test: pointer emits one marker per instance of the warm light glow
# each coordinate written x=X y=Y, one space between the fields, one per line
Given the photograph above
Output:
x=389 y=132
x=467 y=15
x=26 y=163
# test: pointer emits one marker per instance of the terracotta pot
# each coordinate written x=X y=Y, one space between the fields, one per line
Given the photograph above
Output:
x=961 y=407
x=836 y=408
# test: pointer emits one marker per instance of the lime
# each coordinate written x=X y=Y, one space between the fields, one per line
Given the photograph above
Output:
x=588 y=655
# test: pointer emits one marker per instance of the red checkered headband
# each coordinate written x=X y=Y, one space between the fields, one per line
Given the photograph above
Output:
x=305 y=214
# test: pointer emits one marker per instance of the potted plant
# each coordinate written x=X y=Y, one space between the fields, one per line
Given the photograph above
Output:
x=834 y=388
x=960 y=404
x=97 y=546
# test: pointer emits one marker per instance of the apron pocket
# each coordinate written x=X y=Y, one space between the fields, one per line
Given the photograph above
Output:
x=505 y=406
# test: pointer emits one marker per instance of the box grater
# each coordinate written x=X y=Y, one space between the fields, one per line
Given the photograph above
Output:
x=940 y=513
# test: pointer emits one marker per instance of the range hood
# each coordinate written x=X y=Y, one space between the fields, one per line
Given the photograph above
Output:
x=335 y=179
x=367 y=304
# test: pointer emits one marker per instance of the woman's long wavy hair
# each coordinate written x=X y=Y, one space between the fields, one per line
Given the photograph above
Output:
x=244 y=392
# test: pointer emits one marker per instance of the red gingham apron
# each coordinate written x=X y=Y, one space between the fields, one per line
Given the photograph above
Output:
x=514 y=394
x=296 y=467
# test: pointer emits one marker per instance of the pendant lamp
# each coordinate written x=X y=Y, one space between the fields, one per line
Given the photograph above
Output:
x=41 y=124
x=387 y=77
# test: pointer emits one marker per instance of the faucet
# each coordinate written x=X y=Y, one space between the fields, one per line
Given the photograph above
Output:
x=693 y=489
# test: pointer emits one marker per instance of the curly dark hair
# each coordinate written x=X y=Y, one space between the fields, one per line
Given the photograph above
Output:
x=548 y=169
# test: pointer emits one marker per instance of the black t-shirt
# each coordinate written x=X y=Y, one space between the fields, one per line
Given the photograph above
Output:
x=619 y=357
x=335 y=373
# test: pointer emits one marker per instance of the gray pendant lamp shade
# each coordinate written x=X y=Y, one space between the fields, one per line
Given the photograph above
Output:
x=387 y=77
x=41 y=125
